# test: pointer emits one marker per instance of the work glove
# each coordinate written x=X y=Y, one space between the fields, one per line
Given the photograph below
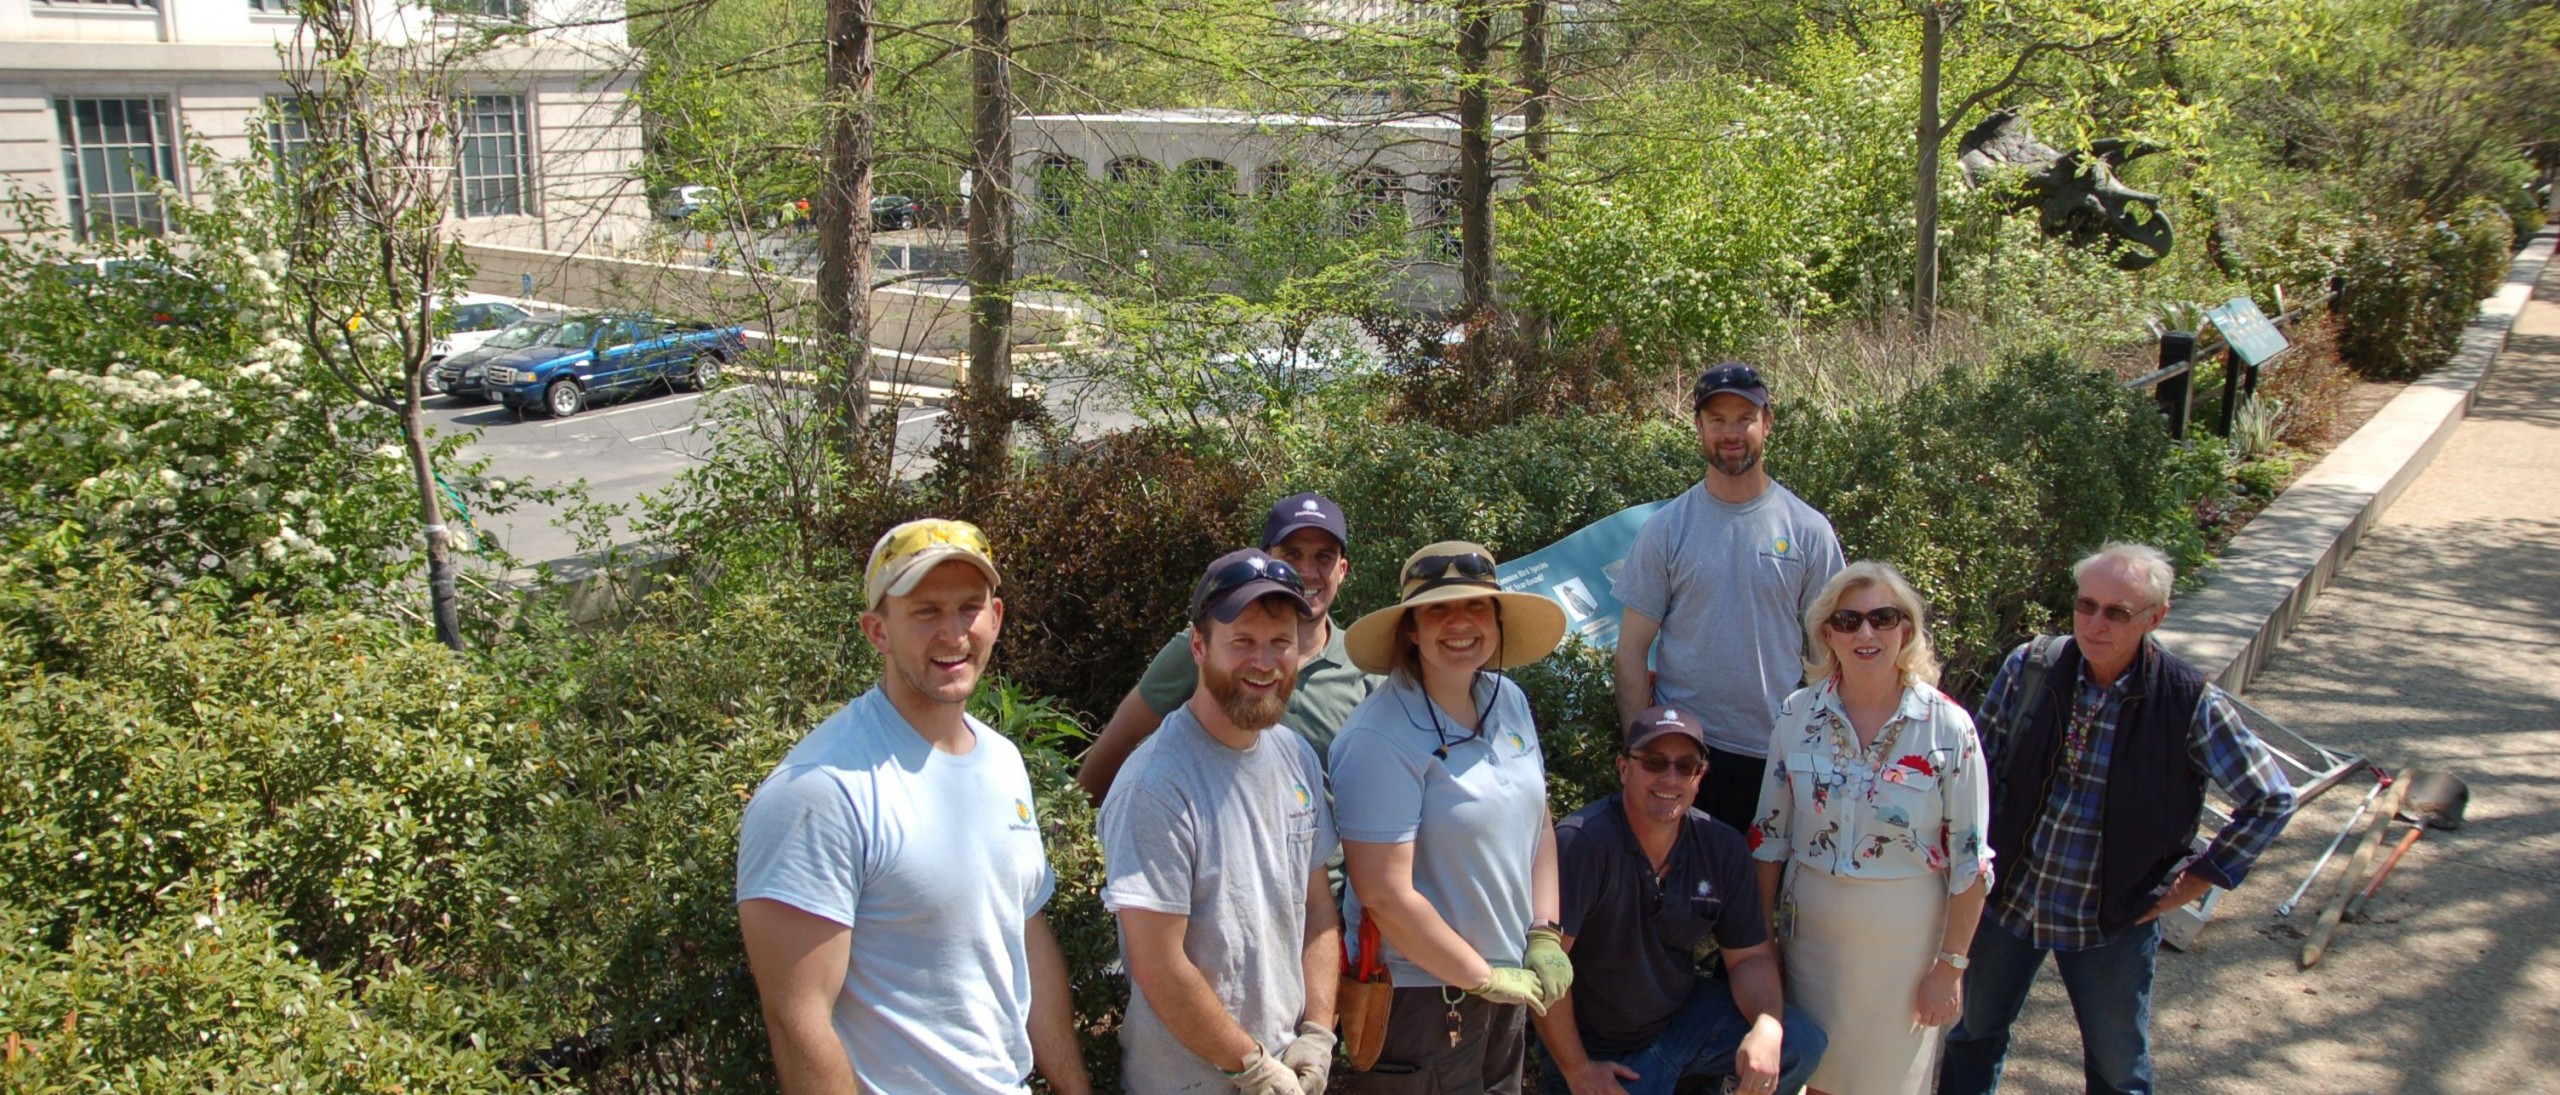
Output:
x=1264 y=1074
x=1547 y=959
x=1310 y=1055
x=1511 y=985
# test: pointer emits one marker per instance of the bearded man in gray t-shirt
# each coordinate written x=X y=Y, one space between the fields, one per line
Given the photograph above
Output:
x=1721 y=576
x=1214 y=841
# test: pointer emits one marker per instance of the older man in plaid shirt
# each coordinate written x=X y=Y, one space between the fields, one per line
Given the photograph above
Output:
x=2085 y=873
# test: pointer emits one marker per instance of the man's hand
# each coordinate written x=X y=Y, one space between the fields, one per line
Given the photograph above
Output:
x=1599 y=1078
x=1310 y=1055
x=1941 y=996
x=1756 y=1060
x=1512 y=985
x=1547 y=959
x=1263 y=1074
x=2187 y=888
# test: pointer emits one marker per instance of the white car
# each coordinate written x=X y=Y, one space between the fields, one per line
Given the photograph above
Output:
x=468 y=320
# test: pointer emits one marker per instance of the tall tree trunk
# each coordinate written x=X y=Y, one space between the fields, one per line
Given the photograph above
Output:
x=1475 y=158
x=1924 y=192
x=844 y=223
x=991 y=219
x=442 y=596
x=1536 y=87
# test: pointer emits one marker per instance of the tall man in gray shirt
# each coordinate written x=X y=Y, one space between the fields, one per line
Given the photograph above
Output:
x=1214 y=840
x=1721 y=576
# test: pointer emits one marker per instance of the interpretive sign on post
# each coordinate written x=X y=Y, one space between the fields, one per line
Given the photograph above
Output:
x=2247 y=331
x=1580 y=572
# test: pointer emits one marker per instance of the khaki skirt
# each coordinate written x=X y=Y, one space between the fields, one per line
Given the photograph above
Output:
x=1856 y=950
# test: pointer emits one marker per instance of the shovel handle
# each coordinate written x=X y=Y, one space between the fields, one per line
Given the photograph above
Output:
x=2356 y=907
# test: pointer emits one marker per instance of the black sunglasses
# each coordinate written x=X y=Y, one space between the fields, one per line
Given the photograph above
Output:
x=2115 y=614
x=1846 y=620
x=1657 y=764
x=1463 y=567
x=1249 y=570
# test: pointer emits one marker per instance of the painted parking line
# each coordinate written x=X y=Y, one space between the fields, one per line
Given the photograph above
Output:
x=588 y=416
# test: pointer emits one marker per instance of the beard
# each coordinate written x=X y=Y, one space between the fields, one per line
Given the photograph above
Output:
x=1737 y=465
x=1248 y=712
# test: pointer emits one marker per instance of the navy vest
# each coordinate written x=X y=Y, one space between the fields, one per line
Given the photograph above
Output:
x=2153 y=794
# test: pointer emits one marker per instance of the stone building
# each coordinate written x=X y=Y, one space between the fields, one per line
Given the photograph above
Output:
x=97 y=97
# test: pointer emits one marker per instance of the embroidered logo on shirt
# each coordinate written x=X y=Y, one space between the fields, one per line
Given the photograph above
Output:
x=1305 y=800
x=1519 y=745
x=1022 y=815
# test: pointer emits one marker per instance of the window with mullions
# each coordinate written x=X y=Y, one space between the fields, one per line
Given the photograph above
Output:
x=287 y=137
x=512 y=11
x=129 y=5
x=493 y=175
x=271 y=7
x=113 y=151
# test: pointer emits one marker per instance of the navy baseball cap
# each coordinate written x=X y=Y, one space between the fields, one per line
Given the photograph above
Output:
x=1308 y=510
x=1239 y=578
x=1731 y=376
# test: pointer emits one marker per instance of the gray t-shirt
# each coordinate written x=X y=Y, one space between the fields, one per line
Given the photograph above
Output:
x=934 y=861
x=1729 y=585
x=1473 y=816
x=1228 y=838
x=1329 y=686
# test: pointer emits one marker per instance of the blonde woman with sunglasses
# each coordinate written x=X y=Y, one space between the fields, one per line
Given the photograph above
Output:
x=1869 y=837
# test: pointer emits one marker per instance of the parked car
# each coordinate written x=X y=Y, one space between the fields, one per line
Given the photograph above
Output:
x=459 y=375
x=586 y=356
x=895 y=212
x=470 y=319
x=685 y=201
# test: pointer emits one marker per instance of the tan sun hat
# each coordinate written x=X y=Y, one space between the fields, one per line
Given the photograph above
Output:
x=1455 y=570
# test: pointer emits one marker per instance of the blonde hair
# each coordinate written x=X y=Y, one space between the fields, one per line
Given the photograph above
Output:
x=1919 y=658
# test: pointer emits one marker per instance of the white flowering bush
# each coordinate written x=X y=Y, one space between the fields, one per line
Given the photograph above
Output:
x=160 y=408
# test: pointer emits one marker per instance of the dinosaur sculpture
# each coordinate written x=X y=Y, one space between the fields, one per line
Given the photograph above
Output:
x=2076 y=193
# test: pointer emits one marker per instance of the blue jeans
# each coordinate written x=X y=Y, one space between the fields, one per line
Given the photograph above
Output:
x=2110 y=988
x=1701 y=1041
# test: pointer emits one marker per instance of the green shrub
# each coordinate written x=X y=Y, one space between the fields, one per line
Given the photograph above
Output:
x=222 y=1001
x=1984 y=486
x=2412 y=290
x=333 y=769
x=1514 y=489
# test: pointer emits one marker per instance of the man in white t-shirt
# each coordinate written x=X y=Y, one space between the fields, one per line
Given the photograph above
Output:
x=1214 y=842
x=890 y=870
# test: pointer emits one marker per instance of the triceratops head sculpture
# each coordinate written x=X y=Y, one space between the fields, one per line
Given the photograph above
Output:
x=2077 y=193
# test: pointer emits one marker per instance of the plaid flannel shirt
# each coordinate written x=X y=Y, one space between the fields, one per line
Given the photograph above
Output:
x=2055 y=902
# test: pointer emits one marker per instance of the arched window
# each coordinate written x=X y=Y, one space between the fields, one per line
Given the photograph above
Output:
x=1209 y=189
x=1137 y=170
x=1056 y=179
x=1272 y=180
x=1441 y=222
x=1373 y=193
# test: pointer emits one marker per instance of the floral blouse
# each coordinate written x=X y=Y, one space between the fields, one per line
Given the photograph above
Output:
x=1916 y=802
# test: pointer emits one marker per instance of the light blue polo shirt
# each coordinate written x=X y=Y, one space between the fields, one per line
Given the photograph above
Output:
x=935 y=862
x=1474 y=817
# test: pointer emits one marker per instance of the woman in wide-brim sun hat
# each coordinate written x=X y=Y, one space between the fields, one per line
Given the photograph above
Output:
x=1440 y=797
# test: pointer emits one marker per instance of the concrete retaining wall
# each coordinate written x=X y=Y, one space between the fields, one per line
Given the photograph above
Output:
x=2268 y=575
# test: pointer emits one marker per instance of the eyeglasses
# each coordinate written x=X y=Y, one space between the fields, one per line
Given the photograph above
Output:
x=1846 y=620
x=2115 y=614
x=1439 y=569
x=1262 y=569
x=1688 y=767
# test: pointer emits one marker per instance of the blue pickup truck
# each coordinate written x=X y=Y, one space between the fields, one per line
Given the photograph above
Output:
x=584 y=356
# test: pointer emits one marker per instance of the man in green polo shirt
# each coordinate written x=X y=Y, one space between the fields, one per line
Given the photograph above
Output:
x=1307 y=532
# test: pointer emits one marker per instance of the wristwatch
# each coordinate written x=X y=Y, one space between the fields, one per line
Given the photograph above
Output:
x=1954 y=961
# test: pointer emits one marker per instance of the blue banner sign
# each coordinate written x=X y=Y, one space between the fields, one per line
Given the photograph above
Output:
x=1580 y=572
x=2247 y=330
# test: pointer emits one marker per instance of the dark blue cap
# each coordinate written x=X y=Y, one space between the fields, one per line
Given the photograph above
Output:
x=1731 y=376
x=1239 y=578
x=1309 y=510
